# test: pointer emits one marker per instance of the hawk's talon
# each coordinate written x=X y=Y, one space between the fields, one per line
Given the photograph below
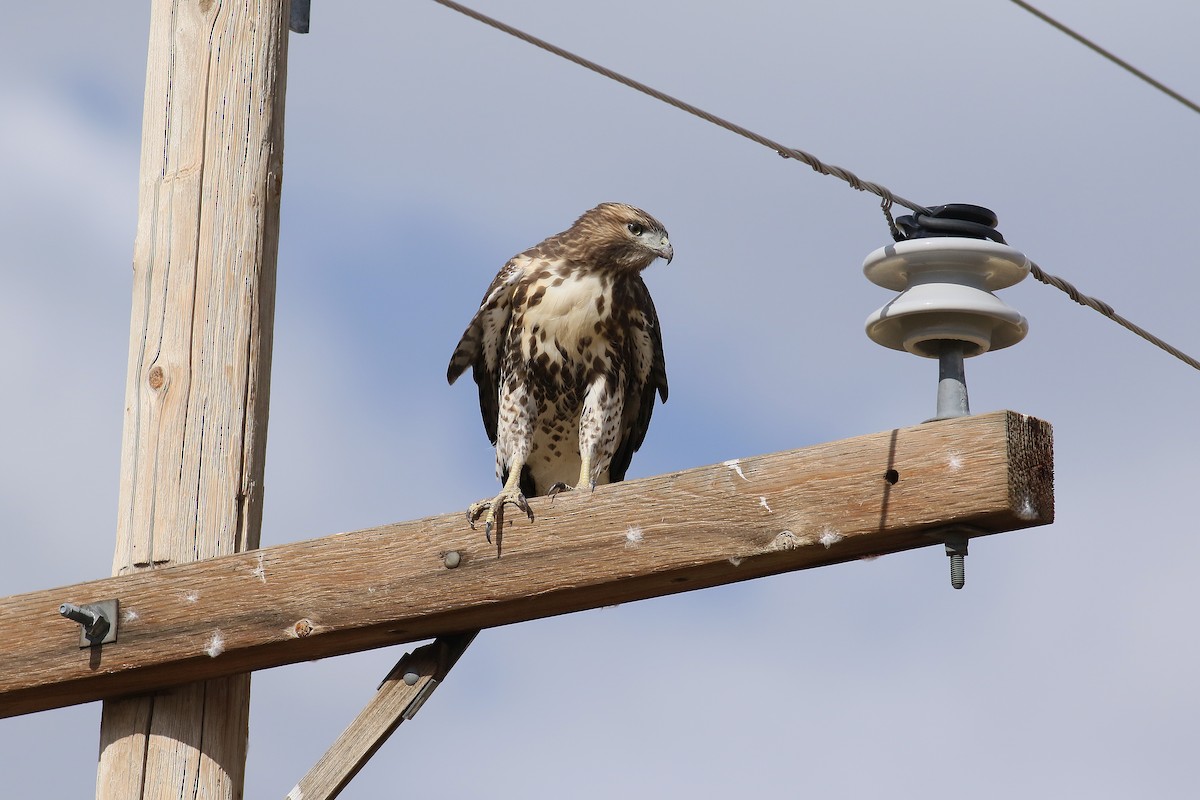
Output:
x=492 y=512
x=560 y=487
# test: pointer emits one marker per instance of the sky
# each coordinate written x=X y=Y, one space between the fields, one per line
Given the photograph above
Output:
x=423 y=150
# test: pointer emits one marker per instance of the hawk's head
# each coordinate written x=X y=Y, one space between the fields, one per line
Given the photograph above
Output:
x=619 y=235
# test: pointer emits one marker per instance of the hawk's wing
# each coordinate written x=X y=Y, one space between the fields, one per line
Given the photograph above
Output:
x=483 y=341
x=649 y=375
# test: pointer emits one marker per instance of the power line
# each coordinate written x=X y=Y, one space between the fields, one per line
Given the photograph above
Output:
x=846 y=175
x=1123 y=64
x=787 y=152
x=1107 y=310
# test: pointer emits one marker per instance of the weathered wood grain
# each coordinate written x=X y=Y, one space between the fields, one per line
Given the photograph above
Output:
x=712 y=525
x=199 y=361
x=395 y=701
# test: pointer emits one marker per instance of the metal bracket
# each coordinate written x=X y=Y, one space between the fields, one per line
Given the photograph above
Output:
x=415 y=704
x=99 y=621
x=298 y=22
x=429 y=663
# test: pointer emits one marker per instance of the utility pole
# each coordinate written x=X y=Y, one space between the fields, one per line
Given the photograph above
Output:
x=171 y=661
x=199 y=362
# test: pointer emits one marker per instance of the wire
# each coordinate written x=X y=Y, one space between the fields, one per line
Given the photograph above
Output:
x=1107 y=310
x=888 y=197
x=1125 y=65
x=787 y=152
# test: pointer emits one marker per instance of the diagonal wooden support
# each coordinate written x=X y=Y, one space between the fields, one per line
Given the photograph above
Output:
x=825 y=504
x=399 y=698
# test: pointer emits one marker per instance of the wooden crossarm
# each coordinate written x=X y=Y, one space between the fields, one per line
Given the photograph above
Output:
x=825 y=504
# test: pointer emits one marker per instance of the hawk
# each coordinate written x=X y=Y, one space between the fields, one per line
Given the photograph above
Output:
x=567 y=354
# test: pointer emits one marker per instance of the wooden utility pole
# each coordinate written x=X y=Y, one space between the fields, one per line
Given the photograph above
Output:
x=199 y=361
x=192 y=466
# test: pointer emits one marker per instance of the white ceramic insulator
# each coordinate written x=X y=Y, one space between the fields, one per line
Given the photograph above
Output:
x=946 y=286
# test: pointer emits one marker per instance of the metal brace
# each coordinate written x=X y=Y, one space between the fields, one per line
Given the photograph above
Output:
x=99 y=621
x=423 y=693
x=429 y=663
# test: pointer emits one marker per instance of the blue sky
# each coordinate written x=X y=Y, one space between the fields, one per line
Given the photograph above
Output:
x=423 y=150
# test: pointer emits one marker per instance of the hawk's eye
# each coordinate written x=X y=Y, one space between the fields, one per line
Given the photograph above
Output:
x=635 y=229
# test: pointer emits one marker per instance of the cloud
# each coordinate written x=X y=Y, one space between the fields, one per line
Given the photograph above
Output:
x=423 y=150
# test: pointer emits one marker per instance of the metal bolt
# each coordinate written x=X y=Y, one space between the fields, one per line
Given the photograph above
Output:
x=952 y=381
x=411 y=678
x=955 y=537
x=95 y=625
x=83 y=616
x=452 y=559
x=957 y=550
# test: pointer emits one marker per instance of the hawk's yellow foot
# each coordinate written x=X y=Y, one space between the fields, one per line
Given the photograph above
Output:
x=492 y=512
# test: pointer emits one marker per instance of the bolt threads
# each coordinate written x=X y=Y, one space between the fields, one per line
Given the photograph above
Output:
x=958 y=570
x=84 y=616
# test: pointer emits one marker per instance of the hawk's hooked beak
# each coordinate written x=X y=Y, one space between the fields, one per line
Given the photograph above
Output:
x=665 y=250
